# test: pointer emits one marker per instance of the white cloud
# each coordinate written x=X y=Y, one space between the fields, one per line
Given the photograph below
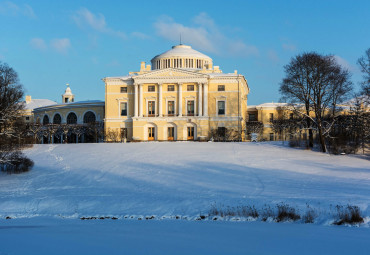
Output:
x=344 y=63
x=11 y=9
x=289 y=47
x=140 y=35
x=272 y=55
x=61 y=45
x=205 y=35
x=85 y=19
x=38 y=43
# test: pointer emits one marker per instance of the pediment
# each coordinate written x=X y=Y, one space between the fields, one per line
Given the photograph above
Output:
x=170 y=73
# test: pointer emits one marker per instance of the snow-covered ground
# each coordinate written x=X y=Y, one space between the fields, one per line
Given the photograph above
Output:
x=184 y=179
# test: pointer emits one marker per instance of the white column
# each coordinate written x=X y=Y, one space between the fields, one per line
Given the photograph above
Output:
x=141 y=100
x=200 y=99
x=205 y=99
x=160 y=100
x=180 y=99
x=136 y=99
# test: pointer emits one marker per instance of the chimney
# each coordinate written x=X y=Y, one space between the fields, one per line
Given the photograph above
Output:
x=28 y=99
x=142 y=66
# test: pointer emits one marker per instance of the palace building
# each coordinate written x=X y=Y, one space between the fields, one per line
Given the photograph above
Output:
x=180 y=96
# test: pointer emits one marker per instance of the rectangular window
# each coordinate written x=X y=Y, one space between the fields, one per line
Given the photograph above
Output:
x=291 y=116
x=123 y=89
x=221 y=87
x=221 y=132
x=151 y=134
x=190 y=133
x=190 y=108
x=271 y=136
x=123 y=133
x=151 y=88
x=151 y=108
x=124 y=109
x=252 y=117
x=171 y=108
x=221 y=107
x=171 y=133
x=27 y=118
x=190 y=87
x=171 y=88
x=271 y=117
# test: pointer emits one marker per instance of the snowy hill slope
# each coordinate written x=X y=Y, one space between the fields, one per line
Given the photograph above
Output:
x=180 y=179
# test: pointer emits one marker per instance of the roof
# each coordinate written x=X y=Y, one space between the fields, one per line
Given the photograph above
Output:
x=181 y=51
x=36 y=103
x=78 y=104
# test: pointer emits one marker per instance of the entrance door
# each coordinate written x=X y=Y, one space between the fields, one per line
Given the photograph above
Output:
x=171 y=133
x=190 y=133
x=151 y=133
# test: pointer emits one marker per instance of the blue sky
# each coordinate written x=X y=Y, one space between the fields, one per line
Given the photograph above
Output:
x=51 y=43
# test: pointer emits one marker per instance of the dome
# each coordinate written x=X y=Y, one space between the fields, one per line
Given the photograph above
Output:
x=68 y=91
x=181 y=56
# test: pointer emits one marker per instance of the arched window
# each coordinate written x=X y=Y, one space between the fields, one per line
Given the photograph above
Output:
x=57 y=119
x=72 y=118
x=89 y=117
x=45 y=120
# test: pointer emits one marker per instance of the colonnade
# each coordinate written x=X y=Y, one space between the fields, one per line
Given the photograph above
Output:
x=202 y=99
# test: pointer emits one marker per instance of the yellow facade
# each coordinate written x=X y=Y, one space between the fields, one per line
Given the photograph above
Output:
x=183 y=97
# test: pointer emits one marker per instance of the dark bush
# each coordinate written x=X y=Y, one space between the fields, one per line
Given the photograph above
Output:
x=286 y=213
x=350 y=214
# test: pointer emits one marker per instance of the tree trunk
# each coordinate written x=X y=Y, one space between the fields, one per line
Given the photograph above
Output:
x=321 y=136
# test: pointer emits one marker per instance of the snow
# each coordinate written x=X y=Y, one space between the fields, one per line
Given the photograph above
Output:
x=184 y=179
x=36 y=103
x=58 y=236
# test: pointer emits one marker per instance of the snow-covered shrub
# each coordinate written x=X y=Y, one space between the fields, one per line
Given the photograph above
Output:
x=350 y=214
x=286 y=213
x=310 y=215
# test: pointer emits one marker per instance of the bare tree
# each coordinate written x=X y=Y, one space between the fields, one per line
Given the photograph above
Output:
x=11 y=122
x=364 y=63
x=320 y=84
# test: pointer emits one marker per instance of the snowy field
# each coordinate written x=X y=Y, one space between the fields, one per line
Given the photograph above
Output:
x=165 y=180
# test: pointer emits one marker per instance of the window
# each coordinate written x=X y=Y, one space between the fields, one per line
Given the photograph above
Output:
x=221 y=132
x=171 y=133
x=72 y=118
x=65 y=100
x=171 y=88
x=271 y=117
x=221 y=107
x=151 y=88
x=221 y=87
x=151 y=108
x=252 y=117
x=271 y=136
x=123 y=89
x=45 y=120
x=171 y=108
x=291 y=116
x=89 y=117
x=123 y=133
x=190 y=133
x=27 y=118
x=57 y=119
x=190 y=87
x=124 y=109
x=151 y=133
x=190 y=108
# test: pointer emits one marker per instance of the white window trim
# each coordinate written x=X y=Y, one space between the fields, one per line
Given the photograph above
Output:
x=171 y=98
x=147 y=99
x=191 y=98
x=223 y=98
x=123 y=100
